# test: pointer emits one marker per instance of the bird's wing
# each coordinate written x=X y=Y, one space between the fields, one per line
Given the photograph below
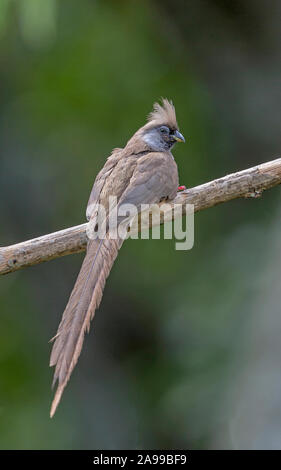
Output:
x=101 y=177
x=155 y=178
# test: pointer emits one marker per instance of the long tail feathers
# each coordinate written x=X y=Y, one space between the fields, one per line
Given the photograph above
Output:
x=84 y=300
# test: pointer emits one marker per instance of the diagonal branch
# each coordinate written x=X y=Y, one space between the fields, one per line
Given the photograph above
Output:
x=248 y=183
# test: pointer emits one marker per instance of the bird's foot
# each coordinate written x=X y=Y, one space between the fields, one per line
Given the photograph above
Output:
x=181 y=188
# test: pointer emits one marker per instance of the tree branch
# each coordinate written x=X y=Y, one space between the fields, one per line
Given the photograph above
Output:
x=248 y=183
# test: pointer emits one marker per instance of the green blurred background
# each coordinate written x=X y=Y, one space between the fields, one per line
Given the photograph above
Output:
x=185 y=349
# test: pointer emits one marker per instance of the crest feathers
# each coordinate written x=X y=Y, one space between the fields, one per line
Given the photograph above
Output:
x=164 y=113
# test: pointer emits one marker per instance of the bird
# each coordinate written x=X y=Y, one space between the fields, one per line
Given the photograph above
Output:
x=143 y=172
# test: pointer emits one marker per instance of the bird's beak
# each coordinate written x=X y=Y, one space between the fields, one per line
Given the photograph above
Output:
x=178 y=136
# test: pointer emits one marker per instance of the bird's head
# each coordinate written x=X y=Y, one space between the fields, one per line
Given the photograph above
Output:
x=161 y=132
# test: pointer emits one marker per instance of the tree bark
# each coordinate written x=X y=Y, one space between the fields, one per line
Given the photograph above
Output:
x=247 y=183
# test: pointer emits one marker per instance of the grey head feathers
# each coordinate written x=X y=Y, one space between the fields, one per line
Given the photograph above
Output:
x=161 y=131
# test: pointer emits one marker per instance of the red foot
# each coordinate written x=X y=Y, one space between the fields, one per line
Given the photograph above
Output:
x=181 y=188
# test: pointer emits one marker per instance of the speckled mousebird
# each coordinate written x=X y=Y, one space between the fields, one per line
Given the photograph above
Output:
x=143 y=172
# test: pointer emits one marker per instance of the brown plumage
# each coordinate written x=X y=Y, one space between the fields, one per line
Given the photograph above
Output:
x=144 y=172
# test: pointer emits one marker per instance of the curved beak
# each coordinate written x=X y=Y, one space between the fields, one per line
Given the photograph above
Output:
x=178 y=136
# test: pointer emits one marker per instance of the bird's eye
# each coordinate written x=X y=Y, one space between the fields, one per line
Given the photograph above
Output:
x=164 y=130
